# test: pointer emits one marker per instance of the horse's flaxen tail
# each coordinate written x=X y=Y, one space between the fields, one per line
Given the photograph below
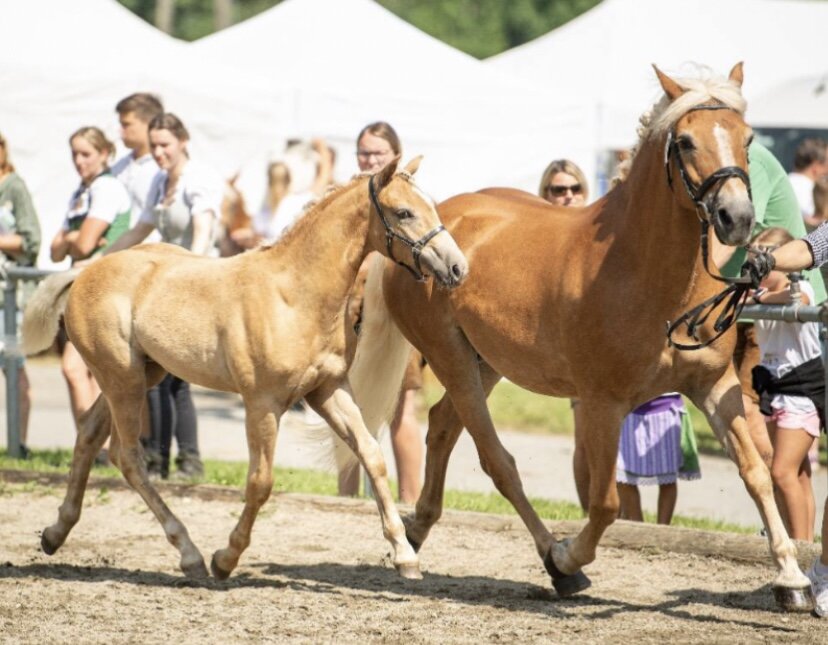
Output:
x=41 y=318
x=379 y=365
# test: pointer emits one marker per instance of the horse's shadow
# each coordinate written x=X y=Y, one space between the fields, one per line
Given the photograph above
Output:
x=512 y=595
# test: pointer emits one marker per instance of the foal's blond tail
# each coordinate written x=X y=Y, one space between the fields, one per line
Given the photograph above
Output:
x=382 y=355
x=41 y=317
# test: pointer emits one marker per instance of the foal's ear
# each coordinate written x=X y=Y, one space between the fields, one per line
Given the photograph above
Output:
x=384 y=175
x=736 y=74
x=672 y=89
x=412 y=166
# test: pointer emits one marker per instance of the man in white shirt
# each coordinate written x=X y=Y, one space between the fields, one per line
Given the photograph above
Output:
x=810 y=163
x=136 y=169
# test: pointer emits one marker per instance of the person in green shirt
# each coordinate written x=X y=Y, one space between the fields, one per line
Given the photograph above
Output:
x=19 y=243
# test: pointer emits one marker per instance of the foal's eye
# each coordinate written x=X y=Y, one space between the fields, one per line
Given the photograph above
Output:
x=685 y=144
x=404 y=213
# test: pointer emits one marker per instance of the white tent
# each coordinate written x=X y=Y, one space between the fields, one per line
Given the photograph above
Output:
x=603 y=57
x=353 y=62
x=68 y=63
x=798 y=103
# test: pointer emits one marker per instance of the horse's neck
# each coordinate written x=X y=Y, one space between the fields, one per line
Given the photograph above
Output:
x=326 y=246
x=660 y=230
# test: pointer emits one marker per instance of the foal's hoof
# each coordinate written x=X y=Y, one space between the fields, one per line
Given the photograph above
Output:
x=49 y=544
x=565 y=584
x=799 y=599
x=196 y=570
x=218 y=572
x=409 y=571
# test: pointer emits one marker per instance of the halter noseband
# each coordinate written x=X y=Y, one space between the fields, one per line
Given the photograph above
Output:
x=735 y=294
x=390 y=235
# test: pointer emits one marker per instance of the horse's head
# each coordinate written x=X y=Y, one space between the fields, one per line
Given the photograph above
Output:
x=706 y=153
x=406 y=228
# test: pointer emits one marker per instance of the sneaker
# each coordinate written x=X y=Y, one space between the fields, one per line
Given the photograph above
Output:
x=25 y=453
x=819 y=584
x=189 y=466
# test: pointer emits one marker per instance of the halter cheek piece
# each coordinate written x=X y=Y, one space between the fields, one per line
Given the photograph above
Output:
x=735 y=294
x=390 y=235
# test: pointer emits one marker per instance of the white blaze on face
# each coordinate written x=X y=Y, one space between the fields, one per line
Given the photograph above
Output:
x=725 y=149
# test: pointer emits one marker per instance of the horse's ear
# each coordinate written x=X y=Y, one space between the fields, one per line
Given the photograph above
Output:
x=412 y=166
x=737 y=74
x=384 y=175
x=672 y=89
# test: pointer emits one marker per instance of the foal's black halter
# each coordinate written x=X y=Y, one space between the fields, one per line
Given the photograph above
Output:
x=735 y=294
x=416 y=247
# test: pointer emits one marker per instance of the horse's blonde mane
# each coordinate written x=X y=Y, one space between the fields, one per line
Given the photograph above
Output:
x=704 y=88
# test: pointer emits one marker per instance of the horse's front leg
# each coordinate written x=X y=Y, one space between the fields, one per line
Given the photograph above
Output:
x=444 y=428
x=600 y=428
x=261 y=421
x=722 y=404
x=95 y=427
x=335 y=404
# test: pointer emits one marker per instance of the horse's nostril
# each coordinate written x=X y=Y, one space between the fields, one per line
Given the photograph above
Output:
x=456 y=271
x=724 y=217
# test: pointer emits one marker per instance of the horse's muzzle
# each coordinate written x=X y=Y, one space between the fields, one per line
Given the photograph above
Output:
x=732 y=220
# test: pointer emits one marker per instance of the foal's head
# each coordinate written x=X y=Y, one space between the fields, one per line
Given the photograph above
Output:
x=706 y=142
x=405 y=227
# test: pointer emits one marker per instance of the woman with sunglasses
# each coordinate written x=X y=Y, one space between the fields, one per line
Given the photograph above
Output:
x=563 y=183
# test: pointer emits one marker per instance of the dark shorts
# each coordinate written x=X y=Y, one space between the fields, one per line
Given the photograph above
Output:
x=745 y=358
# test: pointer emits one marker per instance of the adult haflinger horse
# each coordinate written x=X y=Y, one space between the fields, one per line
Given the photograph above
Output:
x=270 y=324
x=574 y=304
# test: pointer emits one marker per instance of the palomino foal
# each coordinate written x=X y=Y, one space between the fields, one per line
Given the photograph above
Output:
x=270 y=324
x=573 y=302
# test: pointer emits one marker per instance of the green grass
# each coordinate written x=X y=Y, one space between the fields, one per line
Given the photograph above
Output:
x=296 y=480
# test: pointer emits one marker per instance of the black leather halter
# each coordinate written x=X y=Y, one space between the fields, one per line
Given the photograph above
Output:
x=735 y=294
x=390 y=235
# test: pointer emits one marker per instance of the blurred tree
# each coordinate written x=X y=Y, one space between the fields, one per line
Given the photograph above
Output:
x=481 y=28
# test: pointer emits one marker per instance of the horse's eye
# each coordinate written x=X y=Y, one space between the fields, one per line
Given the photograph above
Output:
x=404 y=213
x=749 y=141
x=685 y=144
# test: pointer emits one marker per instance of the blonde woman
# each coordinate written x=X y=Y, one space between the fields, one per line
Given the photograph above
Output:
x=563 y=183
x=98 y=214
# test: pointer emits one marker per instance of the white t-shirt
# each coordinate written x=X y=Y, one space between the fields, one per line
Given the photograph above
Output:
x=271 y=226
x=137 y=175
x=104 y=199
x=199 y=190
x=785 y=346
x=803 y=187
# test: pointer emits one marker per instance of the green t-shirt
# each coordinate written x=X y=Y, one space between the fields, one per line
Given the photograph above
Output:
x=17 y=215
x=774 y=204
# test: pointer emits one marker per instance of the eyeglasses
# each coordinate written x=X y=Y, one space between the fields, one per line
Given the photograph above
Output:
x=560 y=190
x=367 y=154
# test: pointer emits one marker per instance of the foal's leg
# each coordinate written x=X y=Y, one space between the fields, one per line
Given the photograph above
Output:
x=127 y=400
x=261 y=421
x=722 y=405
x=444 y=428
x=95 y=426
x=336 y=405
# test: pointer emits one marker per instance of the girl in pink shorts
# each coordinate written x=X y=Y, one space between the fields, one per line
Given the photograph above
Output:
x=790 y=382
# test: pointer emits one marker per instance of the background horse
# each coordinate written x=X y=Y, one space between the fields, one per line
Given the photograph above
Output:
x=574 y=304
x=270 y=324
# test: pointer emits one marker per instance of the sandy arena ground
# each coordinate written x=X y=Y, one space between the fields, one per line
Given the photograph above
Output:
x=318 y=570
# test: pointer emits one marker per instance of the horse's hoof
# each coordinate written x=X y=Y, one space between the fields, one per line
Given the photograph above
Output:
x=195 y=571
x=48 y=545
x=798 y=599
x=409 y=571
x=565 y=584
x=218 y=572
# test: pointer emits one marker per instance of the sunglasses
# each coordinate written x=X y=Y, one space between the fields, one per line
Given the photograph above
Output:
x=560 y=190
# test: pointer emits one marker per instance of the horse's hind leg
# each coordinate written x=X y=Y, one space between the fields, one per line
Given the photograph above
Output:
x=127 y=400
x=262 y=426
x=724 y=409
x=95 y=427
x=336 y=405
x=444 y=428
